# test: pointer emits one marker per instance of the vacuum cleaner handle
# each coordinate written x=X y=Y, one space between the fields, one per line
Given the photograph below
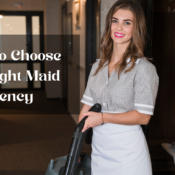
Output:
x=94 y=108
x=76 y=145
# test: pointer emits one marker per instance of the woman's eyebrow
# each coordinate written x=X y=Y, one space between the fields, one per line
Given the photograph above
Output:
x=127 y=20
x=123 y=20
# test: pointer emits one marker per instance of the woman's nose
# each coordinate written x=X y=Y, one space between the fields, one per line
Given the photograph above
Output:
x=119 y=26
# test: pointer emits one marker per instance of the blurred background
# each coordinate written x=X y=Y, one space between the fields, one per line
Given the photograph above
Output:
x=31 y=135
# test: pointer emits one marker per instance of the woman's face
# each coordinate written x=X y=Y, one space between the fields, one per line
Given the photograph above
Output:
x=122 y=26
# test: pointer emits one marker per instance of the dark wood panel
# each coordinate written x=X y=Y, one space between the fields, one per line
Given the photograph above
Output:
x=164 y=85
x=162 y=54
x=162 y=5
x=157 y=53
x=171 y=121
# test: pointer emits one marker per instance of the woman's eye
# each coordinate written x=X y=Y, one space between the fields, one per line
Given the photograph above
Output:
x=127 y=23
x=114 y=21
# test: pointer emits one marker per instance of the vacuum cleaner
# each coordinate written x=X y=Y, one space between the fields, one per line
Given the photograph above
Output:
x=69 y=164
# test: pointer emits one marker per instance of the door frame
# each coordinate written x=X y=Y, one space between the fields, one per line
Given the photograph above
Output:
x=91 y=10
x=29 y=15
x=64 y=62
x=91 y=44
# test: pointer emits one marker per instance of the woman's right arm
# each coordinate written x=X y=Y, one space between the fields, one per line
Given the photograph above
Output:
x=84 y=109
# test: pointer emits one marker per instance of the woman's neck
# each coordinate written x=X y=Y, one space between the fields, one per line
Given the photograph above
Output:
x=118 y=51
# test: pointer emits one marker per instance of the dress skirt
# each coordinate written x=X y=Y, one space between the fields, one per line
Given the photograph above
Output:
x=119 y=150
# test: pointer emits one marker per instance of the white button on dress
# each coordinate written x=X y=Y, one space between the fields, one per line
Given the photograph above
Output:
x=122 y=149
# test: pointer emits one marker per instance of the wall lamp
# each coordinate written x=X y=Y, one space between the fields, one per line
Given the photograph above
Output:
x=77 y=12
x=1 y=16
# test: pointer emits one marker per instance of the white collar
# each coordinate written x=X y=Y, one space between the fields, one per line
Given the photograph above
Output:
x=129 y=59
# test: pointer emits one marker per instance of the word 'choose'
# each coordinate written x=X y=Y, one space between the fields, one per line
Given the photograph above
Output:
x=17 y=55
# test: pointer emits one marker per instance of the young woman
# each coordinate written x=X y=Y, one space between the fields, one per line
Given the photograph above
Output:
x=125 y=83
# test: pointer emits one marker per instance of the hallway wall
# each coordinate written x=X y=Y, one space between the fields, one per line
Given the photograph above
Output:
x=81 y=31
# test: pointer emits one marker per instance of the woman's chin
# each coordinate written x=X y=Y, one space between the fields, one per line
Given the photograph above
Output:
x=120 y=41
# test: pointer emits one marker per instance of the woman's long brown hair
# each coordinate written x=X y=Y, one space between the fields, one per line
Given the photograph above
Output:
x=137 y=45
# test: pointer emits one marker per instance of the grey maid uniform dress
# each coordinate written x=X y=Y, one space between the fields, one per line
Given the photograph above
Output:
x=122 y=149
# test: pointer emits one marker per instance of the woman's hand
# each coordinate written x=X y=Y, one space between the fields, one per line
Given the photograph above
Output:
x=84 y=109
x=94 y=119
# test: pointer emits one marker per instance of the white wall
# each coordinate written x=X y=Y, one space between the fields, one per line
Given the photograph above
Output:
x=105 y=6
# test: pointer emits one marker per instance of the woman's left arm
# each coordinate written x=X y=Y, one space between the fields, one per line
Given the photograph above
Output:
x=128 y=118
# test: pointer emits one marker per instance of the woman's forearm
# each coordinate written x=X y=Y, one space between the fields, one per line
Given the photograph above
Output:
x=127 y=118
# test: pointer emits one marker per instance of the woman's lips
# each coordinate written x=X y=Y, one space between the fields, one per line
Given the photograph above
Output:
x=119 y=35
